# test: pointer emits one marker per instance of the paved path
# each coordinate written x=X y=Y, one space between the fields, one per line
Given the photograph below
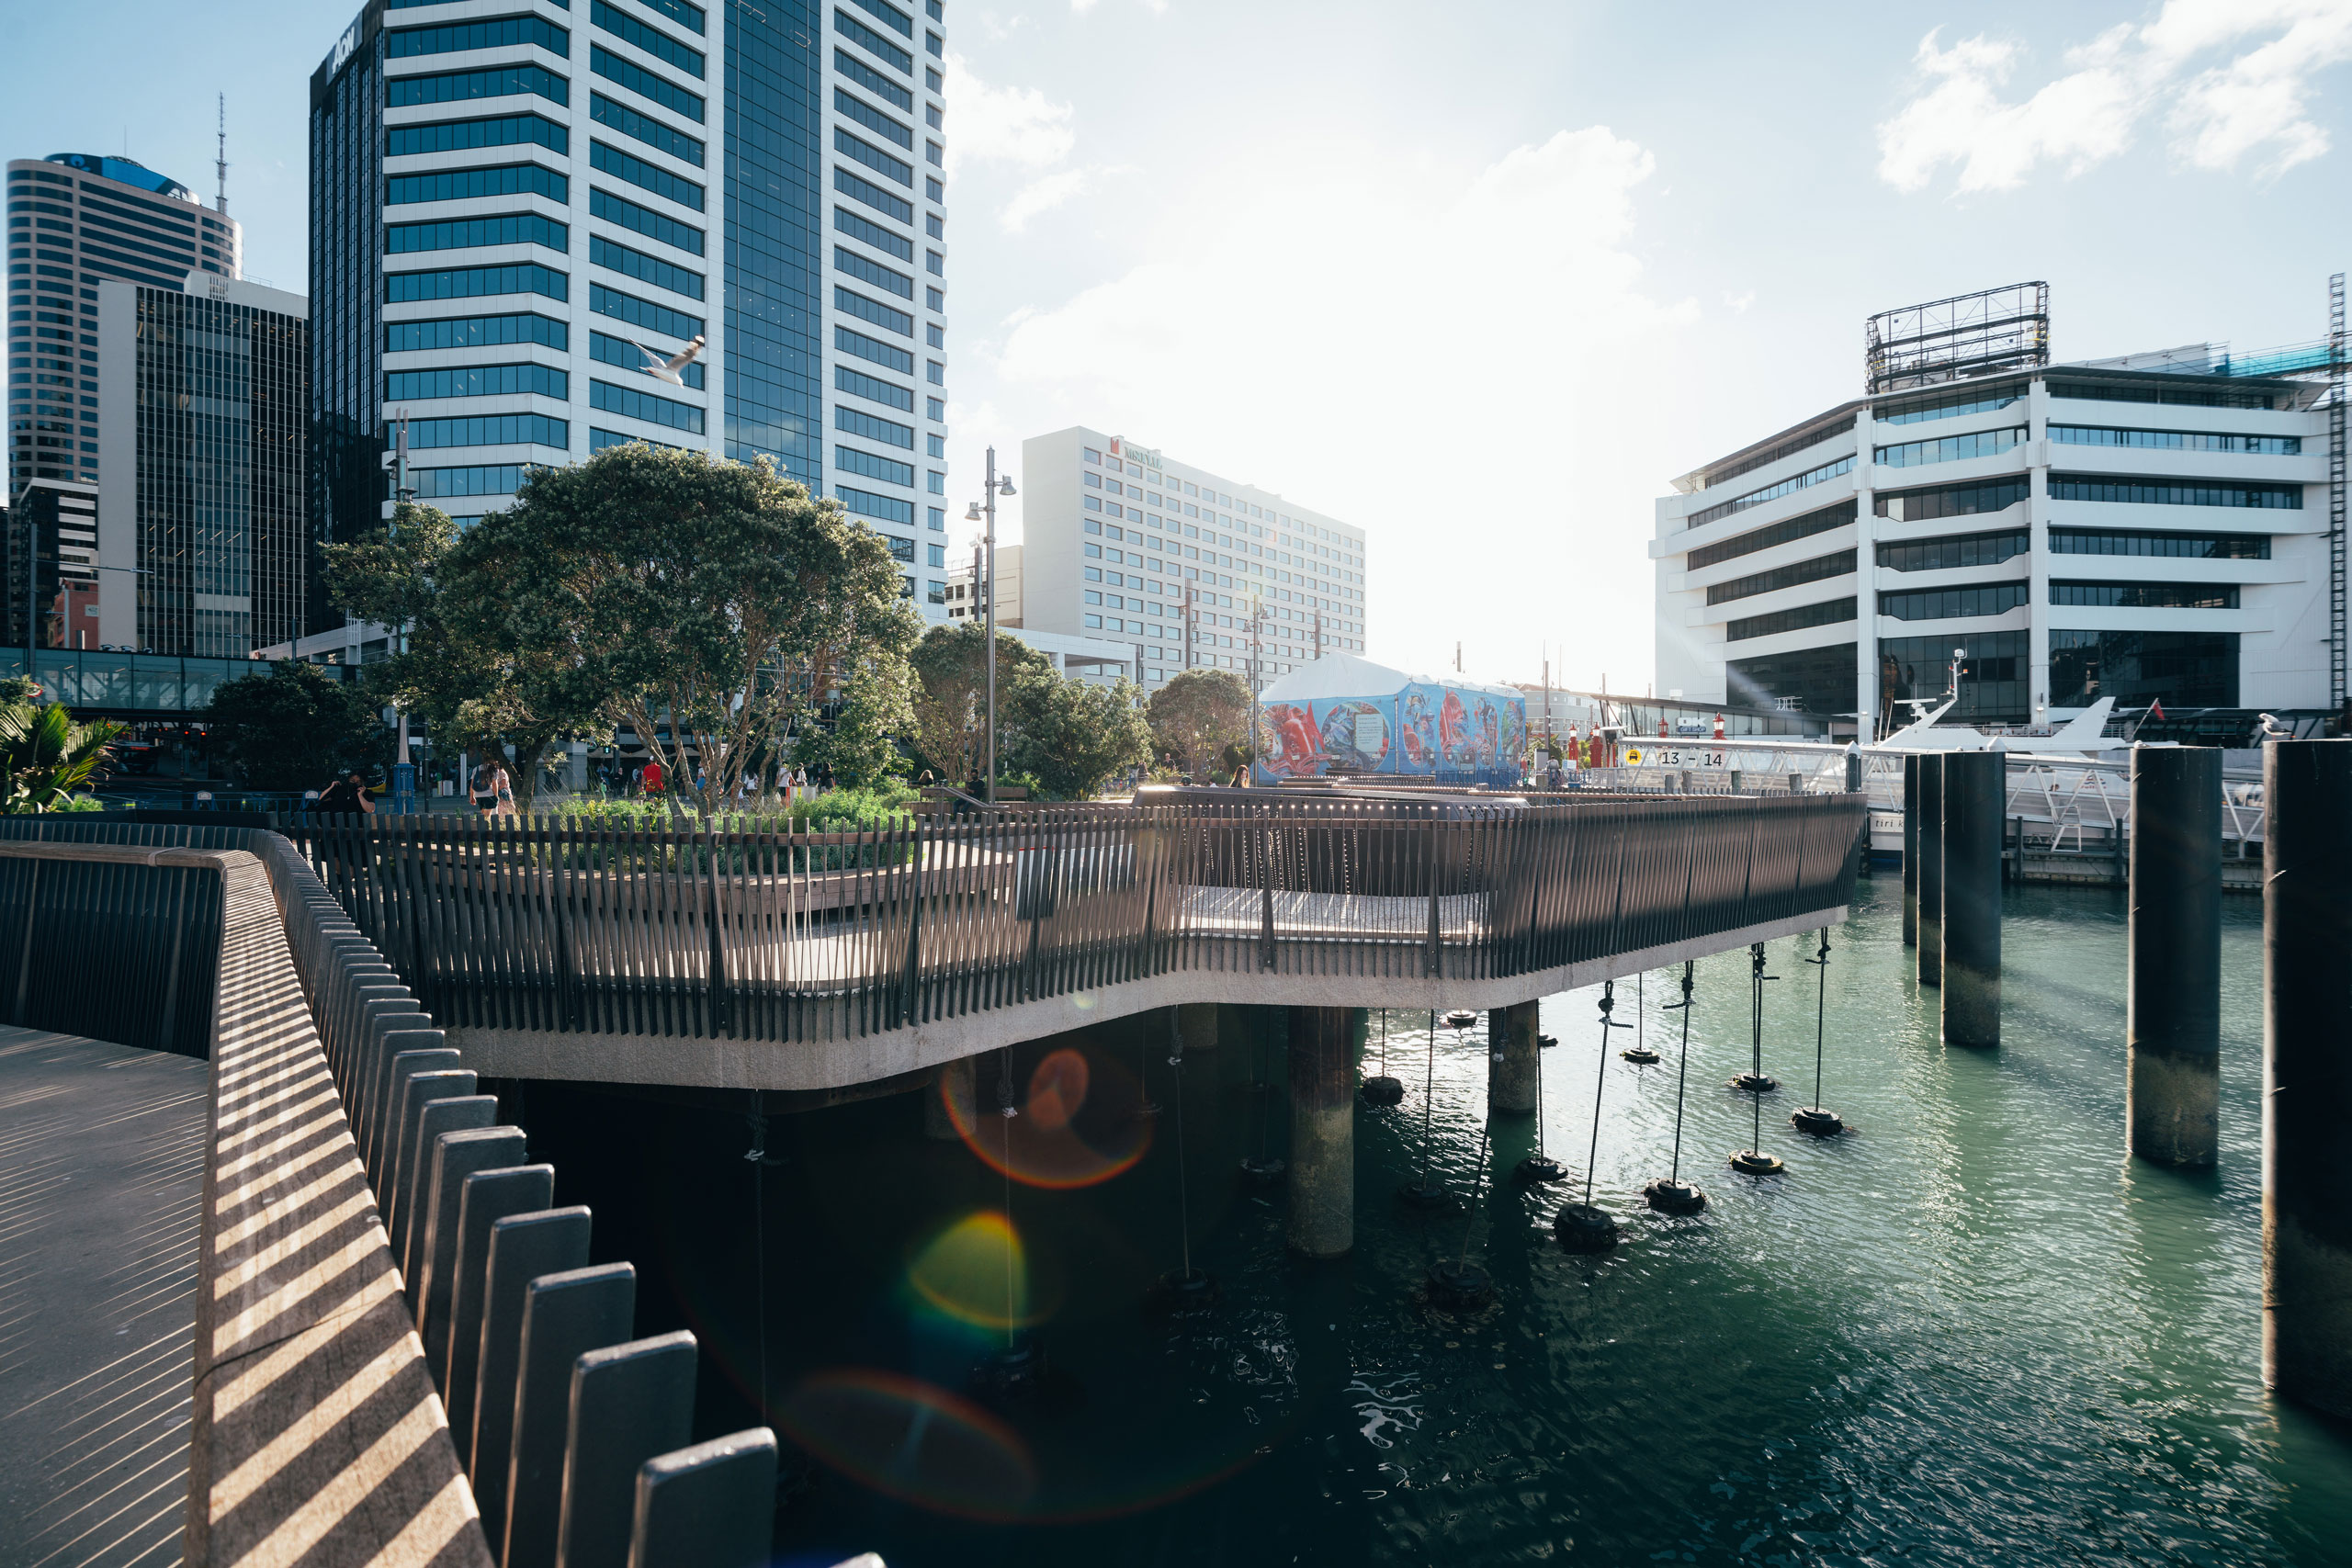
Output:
x=101 y=1178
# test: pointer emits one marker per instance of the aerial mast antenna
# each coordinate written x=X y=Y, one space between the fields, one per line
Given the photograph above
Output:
x=220 y=160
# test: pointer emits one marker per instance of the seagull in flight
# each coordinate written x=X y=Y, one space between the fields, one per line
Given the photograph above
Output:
x=673 y=370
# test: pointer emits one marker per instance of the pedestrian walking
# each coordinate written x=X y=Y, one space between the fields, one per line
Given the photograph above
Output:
x=484 y=785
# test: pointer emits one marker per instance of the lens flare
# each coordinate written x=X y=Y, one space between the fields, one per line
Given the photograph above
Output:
x=1057 y=1088
x=1077 y=1126
x=977 y=1272
x=911 y=1440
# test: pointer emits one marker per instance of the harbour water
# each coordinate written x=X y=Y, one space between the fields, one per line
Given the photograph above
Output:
x=1972 y=1331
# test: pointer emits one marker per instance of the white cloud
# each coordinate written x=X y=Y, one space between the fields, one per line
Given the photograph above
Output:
x=1041 y=195
x=1495 y=433
x=2221 y=113
x=1739 y=302
x=1003 y=125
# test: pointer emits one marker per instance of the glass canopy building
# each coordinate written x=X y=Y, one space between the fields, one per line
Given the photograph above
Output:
x=516 y=220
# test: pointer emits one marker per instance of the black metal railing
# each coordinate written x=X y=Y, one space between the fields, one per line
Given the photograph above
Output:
x=750 y=929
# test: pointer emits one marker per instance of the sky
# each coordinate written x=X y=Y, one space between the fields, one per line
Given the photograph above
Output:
x=1480 y=278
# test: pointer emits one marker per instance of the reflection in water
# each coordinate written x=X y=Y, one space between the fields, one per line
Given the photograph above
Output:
x=1972 y=1332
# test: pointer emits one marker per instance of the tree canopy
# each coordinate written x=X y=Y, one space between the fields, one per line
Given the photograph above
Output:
x=294 y=726
x=1072 y=736
x=1197 y=714
x=711 y=606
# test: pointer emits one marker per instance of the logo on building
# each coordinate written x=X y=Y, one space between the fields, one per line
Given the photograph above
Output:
x=1148 y=455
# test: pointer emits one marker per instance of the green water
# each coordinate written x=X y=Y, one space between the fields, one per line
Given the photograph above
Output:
x=1971 y=1332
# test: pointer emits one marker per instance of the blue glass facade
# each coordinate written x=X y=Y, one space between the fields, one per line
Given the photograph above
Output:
x=347 y=291
x=773 y=299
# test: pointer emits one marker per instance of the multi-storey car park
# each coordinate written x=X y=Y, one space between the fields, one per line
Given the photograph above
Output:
x=519 y=211
x=2157 y=529
x=77 y=221
x=1198 y=571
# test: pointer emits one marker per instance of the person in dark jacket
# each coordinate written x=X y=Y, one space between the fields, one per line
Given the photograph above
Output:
x=347 y=797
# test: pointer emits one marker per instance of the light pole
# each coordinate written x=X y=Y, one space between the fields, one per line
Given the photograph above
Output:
x=985 y=511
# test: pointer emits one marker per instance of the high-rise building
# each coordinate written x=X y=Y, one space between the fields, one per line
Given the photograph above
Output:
x=2153 y=528
x=203 y=484
x=1119 y=543
x=77 y=221
x=53 y=565
x=522 y=225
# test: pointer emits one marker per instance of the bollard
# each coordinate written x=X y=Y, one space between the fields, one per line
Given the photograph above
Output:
x=419 y=1091
x=1932 y=874
x=1514 y=1058
x=1796 y=784
x=629 y=1403
x=522 y=1248
x=2173 y=1017
x=712 y=1506
x=2307 y=1073
x=485 y=1198
x=455 y=1155
x=1971 y=871
x=564 y=1317
x=1322 y=1129
x=1735 y=781
x=1911 y=850
x=1854 y=786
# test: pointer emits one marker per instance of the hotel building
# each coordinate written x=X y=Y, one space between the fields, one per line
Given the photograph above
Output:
x=1121 y=542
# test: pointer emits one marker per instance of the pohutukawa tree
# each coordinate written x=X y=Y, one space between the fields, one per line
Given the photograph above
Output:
x=1198 y=713
x=709 y=605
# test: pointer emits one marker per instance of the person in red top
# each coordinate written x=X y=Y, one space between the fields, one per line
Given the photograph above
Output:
x=653 y=778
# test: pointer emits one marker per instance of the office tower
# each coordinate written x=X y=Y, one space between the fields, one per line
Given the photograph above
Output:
x=76 y=220
x=1121 y=544
x=2151 y=529
x=203 y=483
x=517 y=221
x=52 y=542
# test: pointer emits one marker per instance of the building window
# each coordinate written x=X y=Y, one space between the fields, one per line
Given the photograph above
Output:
x=935 y=483
x=938 y=555
x=1949 y=500
x=1951 y=551
x=2157 y=493
x=2146 y=595
x=1992 y=678
x=1821 y=680
x=2186 y=670
x=2181 y=547
x=2178 y=440
x=1827 y=613
x=934 y=372
x=1840 y=564
x=1754 y=498
x=935 y=410
x=1950 y=448
x=1913 y=413
x=1953 y=604
x=938 y=518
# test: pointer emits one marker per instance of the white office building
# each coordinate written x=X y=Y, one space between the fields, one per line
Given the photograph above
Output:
x=1121 y=542
x=519 y=211
x=2151 y=529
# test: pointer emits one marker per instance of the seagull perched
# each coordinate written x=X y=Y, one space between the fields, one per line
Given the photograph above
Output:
x=2274 y=730
x=673 y=370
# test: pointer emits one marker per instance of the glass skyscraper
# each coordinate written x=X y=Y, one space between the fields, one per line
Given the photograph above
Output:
x=516 y=220
x=203 y=492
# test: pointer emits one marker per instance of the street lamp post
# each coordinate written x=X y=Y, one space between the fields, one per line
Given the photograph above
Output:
x=985 y=511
